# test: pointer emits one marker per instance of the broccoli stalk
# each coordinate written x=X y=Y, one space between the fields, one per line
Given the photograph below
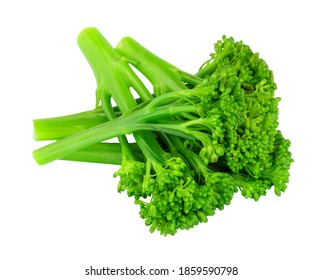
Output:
x=164 y=76
x=107 y=153
x=61 y=127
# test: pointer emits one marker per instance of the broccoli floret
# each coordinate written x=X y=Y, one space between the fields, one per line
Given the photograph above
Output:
x=278 y=173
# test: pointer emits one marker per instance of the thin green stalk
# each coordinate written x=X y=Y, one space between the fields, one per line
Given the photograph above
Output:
x=108 y=110
x=193 y=159
x=163 y=76
x=56 y=128
x=107 y=153
x=61 y=127
x=209 y=67
x=111 y=73
x=190 y=79
x=131 y=123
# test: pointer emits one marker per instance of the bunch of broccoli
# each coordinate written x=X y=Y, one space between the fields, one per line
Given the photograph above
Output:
x=199 y=139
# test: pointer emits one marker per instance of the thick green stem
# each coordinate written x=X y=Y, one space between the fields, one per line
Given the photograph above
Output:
x=138 y=120
x=163 y=76
x=106 y=66
x=61 y=127
x=79 y=141
x=56 y=128
x=109 y=112
x=107 y=153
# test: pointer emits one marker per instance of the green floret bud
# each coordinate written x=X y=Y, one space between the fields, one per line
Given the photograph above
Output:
x=209 y=132
x=252 y=188
x=211 y=150
x=278 y=174
x=171 y=197
x=131 y=175
x=178 y=202
x=224 y=187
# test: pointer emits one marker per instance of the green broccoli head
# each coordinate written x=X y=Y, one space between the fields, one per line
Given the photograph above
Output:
x=251 y=187
x=171 y=197
x=178 y=201
x=224 y=185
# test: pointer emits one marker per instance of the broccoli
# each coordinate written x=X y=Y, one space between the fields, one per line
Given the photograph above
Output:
x=199 y=138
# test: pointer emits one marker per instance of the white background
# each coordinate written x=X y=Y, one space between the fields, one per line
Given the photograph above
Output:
x=59 y=219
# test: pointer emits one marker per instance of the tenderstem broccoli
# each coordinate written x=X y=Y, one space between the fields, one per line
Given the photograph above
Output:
x=199 y=138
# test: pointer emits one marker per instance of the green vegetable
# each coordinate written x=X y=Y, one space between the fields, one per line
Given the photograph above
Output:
x=199 y=138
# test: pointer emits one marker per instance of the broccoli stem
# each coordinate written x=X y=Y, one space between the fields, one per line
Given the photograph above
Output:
x=127 y=154
x=136 y=121
x=192 y=158
x=59 y=127
x=164 y=76
x=190 y=79
x=106 y=63
x=107 y=153
x=63 y=126
x=207 y=69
